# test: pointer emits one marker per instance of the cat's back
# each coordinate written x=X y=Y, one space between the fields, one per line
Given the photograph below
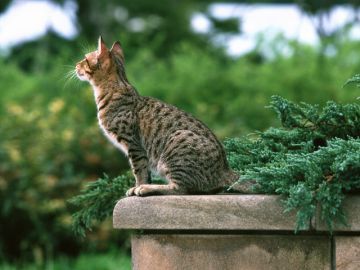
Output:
x=158 y=120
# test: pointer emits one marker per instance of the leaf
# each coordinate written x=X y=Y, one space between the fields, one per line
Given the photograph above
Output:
x=352 y=80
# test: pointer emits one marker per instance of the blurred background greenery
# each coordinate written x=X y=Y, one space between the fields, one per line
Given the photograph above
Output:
x=50 y=144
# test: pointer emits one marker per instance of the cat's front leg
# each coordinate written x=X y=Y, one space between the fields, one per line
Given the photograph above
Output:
x=169 y=189
x=140 y=167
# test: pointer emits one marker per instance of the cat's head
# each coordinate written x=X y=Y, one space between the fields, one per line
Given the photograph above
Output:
x=102 y=65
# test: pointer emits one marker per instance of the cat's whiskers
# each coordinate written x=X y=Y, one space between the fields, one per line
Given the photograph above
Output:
x=70 y=77
x=71 y=73
x=71 y=67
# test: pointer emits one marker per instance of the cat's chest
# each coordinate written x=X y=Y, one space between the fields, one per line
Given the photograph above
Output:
x=113 y=139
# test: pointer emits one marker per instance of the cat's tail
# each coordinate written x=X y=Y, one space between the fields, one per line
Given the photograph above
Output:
x=233 y=184
x=230 y=177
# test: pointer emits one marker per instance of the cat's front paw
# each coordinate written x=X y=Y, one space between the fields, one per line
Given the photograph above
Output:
x=130 y=192
x=143 y=190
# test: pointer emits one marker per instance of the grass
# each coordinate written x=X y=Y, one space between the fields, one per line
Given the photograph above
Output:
x=108 y=261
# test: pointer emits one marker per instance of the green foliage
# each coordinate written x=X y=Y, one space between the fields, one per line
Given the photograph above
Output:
x=115 y=259
x=97 y=201
x=335 y=120
x=354 y=79
x=313 y=159
x=51 y=145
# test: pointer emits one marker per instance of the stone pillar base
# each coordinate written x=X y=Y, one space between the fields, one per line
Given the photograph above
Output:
x=229 y=252
x=234 y=232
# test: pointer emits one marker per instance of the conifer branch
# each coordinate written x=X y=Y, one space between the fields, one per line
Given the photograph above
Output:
x=310 y=167
x=97 y=201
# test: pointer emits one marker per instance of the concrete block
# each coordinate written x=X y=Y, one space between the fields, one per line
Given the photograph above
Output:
x=347 y=252
x=230 y=252
x=215 y=212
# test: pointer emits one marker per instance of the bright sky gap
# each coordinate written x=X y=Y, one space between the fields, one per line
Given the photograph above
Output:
x=38 y=17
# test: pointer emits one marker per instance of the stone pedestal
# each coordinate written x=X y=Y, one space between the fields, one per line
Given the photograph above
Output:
x=213 y=252
x=232 y=232
x=347 y=252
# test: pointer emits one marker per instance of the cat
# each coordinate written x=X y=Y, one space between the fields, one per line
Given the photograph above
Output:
x=156 y=137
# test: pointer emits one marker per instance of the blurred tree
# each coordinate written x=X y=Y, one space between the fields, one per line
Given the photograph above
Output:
x=161 y=25
x=4 y=4
x=142 y=21
x=319 y=12
x=38 y=56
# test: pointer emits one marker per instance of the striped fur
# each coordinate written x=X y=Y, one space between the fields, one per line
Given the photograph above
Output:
x=155 y=136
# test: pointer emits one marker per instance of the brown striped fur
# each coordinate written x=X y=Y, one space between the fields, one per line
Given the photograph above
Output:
x=155 y=136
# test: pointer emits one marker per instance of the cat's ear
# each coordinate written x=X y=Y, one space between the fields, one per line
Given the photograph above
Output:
x=117 y=50
x=102 y=49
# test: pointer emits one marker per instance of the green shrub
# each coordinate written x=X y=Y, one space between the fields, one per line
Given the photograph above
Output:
x=313 y=159
x=113 y=260
x=98 y=200
x=49 y=148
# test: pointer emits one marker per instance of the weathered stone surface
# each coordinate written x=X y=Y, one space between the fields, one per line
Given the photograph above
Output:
x=351 y=208
x=347 y=252
x=230 y=252
x=217 y=212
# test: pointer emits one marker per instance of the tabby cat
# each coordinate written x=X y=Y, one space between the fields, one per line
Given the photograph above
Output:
x=155 y=136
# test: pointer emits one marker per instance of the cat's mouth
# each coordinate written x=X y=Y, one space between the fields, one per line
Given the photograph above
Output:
x=80 y=74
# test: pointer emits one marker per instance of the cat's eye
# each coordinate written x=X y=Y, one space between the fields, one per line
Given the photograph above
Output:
x=92 y=64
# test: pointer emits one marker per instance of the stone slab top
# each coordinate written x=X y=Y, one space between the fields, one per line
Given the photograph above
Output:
x=205 y=212
x=220 y=212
